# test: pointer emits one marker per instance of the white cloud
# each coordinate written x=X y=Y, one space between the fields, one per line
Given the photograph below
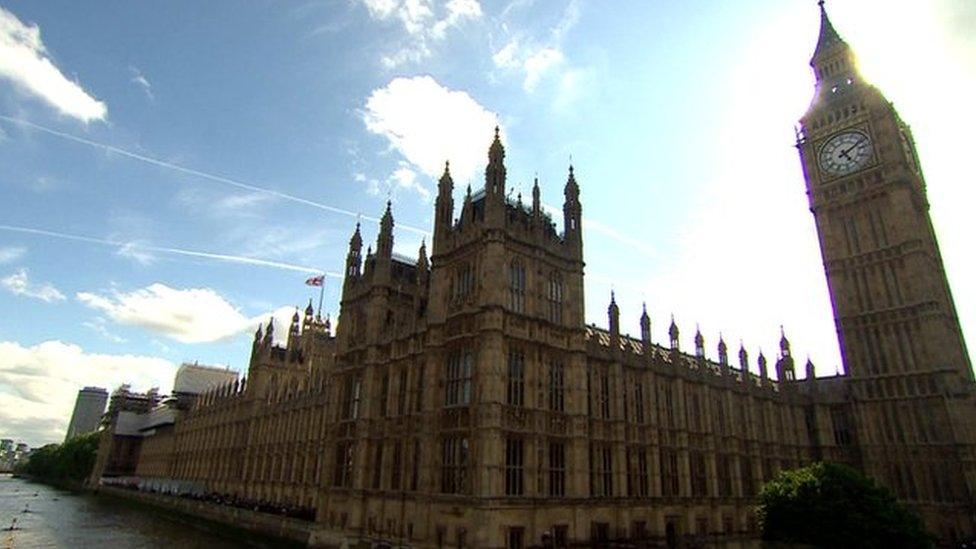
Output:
x=38 y=384
x=428 y=123
x=140 y=80
x=537 y=57
x=98 y=325
x=23 y=60
x=136 y=252
x=10 y=254
x=19 y=283
x=192 y=315
x=423 y=21
x=537 y=64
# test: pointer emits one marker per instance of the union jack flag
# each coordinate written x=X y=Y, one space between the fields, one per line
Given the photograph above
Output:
x=316 y=280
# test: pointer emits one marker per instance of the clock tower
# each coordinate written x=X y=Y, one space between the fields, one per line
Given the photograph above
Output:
x=909 y=375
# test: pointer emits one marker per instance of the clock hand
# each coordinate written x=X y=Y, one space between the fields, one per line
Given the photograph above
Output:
x=854 y=146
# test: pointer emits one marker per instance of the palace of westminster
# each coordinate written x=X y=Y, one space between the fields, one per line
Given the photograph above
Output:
x=464 y=402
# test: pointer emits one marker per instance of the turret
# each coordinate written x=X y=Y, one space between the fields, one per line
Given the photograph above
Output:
x=744 y=362
x=354 y=257
x=495 y=182
x=645 y=325
x=613 y=312
x=293 y=331
x=573 y=214
x=443 y=208
x=536 y=200
x=674 y=334
x=723 y=356
x=699 y=345
x=423 y=265
x=763 y=372
x=384 y=241
x=309 y=315
x=268 y=334
x=784 y=366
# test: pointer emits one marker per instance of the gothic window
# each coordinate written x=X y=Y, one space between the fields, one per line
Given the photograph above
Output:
x=384 y=394
x=557 y=469
x=351 y=395
x=402 y=393
x=516 y=378
x=514 y=466
x=419 y=394
x=555 y=298
x=841 y=426
x=378 y=466
x=343 y=464
x=604 y=395
x=637 y=485
x=667 y=402
x=415 y=466
x=463 y=282
x=397 y=466
x=745 y=473
x=724 y=474
x=458 y=379
x=639 y=402
x=556 y=387
x=699 y=484
x=669 y=473
x=454 y=465
x=515 y=538
x=516 y=286
x=601 y=468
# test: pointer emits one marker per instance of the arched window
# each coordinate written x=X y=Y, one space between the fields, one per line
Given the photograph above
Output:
x=555 y=298
x=516 y=286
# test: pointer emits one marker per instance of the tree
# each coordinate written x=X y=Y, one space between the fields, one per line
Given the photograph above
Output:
x=72 y=461
x=831 y=505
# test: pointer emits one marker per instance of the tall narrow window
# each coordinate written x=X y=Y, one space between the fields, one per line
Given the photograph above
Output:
x=724 y=474
x=557 y=469
x=454 y=465
x=605 y=395
x=378 y=466
x=556 y=388
x=419 y=394
x=415 y=466
x=639 y=402
x=397 y=466
x=343 y=464
x=555 y=298
x=699 y=485
x=458 y=379
x=745 y=473
x=603 y=459
x=402 y=393
x=643 y=486
x=384 y=394
x=516 y=286
x=669 y=473
x=351 y=395
x=515 y=396
x=514 y=462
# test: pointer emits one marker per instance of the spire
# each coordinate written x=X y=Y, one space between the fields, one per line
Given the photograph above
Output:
x=353 y=258
x=674 y=334
x=384 y=242
x=536 y=201
x=495 y=171
x=763 y=372
x=614 y=313
x=257 y=333
x=645 y=324
x=723 y=351
x=699 y=343
x=446 y=180
x=269 y=331
x=784 y=344
x=811 y=370
x=572 y=188
x=828 y=38
x=743 y=359
x=444 y=208
x=309 y=311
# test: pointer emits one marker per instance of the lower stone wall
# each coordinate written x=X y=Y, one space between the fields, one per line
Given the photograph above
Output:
x=263 y=524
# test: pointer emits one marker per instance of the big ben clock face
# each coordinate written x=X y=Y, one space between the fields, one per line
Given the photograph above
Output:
x=845 y=153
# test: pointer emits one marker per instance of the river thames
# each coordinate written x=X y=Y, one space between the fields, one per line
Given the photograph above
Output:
x=57 y=518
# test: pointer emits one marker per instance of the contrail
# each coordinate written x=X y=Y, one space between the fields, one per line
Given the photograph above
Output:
x=202 y=175
x=174 y=251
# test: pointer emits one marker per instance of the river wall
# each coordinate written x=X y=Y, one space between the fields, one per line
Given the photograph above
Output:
x=288 y=530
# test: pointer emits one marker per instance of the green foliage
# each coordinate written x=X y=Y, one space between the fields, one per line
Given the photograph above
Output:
x=71 y=461
x=831 y=505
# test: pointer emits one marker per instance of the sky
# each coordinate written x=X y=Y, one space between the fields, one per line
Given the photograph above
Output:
x=172 y=173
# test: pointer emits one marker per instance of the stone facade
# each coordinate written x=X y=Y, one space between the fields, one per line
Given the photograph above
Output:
x=463 y=401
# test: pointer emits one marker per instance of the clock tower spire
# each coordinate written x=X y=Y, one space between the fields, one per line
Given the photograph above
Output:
x=896 y=323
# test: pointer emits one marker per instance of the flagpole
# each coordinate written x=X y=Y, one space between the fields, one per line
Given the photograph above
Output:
x=321 y=295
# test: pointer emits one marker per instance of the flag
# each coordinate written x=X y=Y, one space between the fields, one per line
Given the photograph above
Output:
x=315 y=281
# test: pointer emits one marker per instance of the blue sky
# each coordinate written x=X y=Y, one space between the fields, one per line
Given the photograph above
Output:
x=169 y=173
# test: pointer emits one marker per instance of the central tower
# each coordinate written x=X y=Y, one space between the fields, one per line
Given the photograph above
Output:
x=911 y=381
